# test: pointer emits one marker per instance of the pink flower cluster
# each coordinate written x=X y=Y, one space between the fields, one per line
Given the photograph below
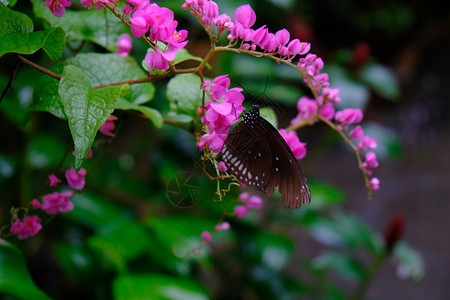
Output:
x=29 y=227
x=298 y=148
x=278 y=43
x=160 y=23
x=221 y=111
x=52 y=204
x=208 y=13
x=250 y=201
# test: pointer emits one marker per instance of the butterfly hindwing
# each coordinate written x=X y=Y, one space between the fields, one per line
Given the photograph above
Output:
x=286 y=172
x=257 y=155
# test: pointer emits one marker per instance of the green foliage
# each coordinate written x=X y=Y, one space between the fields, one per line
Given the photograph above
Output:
x=14 y=277
x=126 y=238
x=86 y=109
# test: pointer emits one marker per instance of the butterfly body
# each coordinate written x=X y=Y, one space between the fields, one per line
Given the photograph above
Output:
x=258 y=156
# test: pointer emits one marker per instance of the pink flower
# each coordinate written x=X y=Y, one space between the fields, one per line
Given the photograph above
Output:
x=374 y=184
x=282 y=37
x=108 y=126
x=222 y=167
x=294 y=47
x=241 y=211
x=138 y=26
x=35 y=204
x=29 y=227
x=356 y=133
x=210 y=12
x=330 y=95
x=221 y=112
x=124 y=43
x=177 y=40
x=159 y=60
x=254 y=202
x=223 y=22
x=243 y=197
x=76 y=180
x=298 y=148
x=206 y=236
x=371 y=161
x=53 y=180
x=244 y=15
x=327 y=111
x=367 y=142
x=349 y=116
x=57 y=7
x=222 y=226
x=57 y=202
x=307 y=108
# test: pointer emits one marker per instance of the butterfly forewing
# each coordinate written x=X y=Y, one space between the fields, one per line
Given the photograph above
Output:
x=257 y=155
x=243 y=154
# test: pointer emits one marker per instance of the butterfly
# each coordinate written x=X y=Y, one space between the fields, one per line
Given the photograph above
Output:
x=258 y=156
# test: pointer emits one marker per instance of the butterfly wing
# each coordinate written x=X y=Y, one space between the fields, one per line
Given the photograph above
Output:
x=286 y=172
x=247 y=155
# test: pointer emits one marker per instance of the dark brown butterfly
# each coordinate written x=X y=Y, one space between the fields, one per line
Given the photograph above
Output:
x=257 y=155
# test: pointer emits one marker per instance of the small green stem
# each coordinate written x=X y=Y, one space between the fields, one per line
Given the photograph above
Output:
x=372 y=271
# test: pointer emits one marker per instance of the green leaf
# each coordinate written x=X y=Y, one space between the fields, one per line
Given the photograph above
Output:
x=105 y=69
x=94 y=25
x=174 y=234
x=47 y=97
x=184 y=93
x=15 y=280
x=275 y=250
x=269 y=114
x=45 y=150
x=50 y=40
x=75 y=260
x=94 y=212
x=151 y=113
x=324 y=195
x=344 y=265
x=343 y=229
x=128 y=237
x=382 y=80
x=156 y=287
x=411 y=265
x=13 y=22
x=86 y=109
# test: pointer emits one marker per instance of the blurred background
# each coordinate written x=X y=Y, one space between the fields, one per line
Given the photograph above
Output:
x=389 y=58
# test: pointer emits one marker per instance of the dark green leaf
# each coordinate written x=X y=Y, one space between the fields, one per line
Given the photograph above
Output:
x=174 y=234
x=94 y=212
x=157 y=287
x=47 y=97
x=45 y=150
x=86 y=109
x=151 y=113
x=13 y=22
x=75 y=260
x=184 y=94
x=324 y=195
x=105 y=69
x=51 y=40
x=15 y=280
